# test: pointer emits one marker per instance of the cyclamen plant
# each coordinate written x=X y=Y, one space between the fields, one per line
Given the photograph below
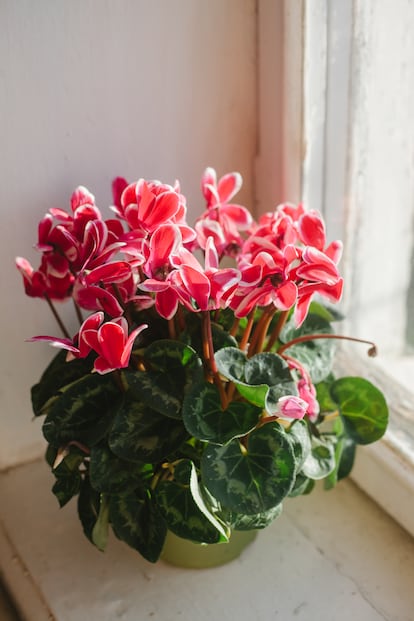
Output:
x=195 y=397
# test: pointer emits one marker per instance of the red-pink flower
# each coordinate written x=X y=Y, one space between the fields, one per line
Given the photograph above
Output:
x=76 y=347
x=219 y=192
x=112 y=344
x=147 y=205
x=273 y=284
x=230 y=218
x=110 y=340
x=210 y=287
x=34 y=281
x=108 y=287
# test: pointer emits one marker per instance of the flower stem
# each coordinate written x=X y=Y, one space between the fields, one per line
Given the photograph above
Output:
x=172 y=333
x=277 y=330
x=208 y=354
x=57 y=317
x=247 y=332
x=372 y=351
x=260 y=332
x=234 y=327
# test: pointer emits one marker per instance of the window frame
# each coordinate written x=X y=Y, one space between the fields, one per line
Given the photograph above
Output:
x=312 y=115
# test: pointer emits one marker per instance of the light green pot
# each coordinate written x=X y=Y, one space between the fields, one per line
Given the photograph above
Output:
x=185 y=553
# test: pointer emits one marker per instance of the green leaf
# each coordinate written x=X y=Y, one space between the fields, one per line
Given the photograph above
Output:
x=230 y=362
x=205 y=419
x=101 y=528
x=58 y=374
x=271 y=370
x=302 y=486
x=239 y=521
x=162 y=386
x=84 y=412
x=136 y=520
x=68 y=478
x=160 y=391
x=88 y=507
x=140 y=434
x=65 y=488
x=347 y=458
x=110 y=474
x=298 y=434
x=251 y=479
x=362 y=407
x=321 y=460
x=345 y=450
x=261 y=379
x=167 y=354
x=323 y=395
x=183 y=507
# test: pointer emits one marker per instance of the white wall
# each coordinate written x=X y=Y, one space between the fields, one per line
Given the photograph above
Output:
x=90 y=89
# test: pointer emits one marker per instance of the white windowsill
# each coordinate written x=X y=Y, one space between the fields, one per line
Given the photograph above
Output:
x=330 y=556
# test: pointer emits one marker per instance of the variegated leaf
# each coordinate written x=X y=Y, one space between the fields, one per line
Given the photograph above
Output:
x=59 y=373
x=83 y=412
x=239 y=521
x=135 y=519
x=110 y=474
x=182 y=504
x=206 y=420
x=140 y=434
x=251 y=479
x=321 y=460
x=261 y=379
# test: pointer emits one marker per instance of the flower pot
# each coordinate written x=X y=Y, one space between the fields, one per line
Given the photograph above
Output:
x=185 y=553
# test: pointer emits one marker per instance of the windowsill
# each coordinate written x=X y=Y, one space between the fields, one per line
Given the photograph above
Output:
x=329 y=556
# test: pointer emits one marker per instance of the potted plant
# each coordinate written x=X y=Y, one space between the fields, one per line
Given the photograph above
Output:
x=197 y=395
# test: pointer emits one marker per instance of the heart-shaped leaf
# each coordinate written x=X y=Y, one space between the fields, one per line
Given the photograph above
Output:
x=166 y=354
x=140 y=434
x=100 y=530
x=206 y=420
x=181 y=502
x=84 y=412
x=363 y=408
x=135 y=519
x=239 y=521
x=261 y=380
x=251 y=479
x=162 y=387
x=88 y=507
x=162 y=392
x=58 y=374
x=321 y=460
x=110 y=474
x=298 y=434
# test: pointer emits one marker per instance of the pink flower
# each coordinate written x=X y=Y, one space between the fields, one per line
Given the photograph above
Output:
x=147 y=205
x=210 y=287
x=34 y=281
x=77 y=348
x=110 y=340
x=230 y=218
x=291 y=406
x=222 y=191
x=274 y=285
x=306 y=388
x=112 y=344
